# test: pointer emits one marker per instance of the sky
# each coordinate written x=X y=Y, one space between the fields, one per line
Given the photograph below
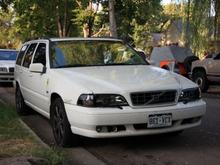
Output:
x=168 y=1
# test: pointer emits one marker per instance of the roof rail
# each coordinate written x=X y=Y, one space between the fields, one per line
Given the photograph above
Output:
x=37 y=38
x=44 y=38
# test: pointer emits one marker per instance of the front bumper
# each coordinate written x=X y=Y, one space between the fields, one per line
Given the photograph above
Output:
x=6 y=77
x=84 y=121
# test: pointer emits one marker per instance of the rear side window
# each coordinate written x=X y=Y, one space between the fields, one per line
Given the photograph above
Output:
x=21 y=54
x=40 y=54
x=28 y=55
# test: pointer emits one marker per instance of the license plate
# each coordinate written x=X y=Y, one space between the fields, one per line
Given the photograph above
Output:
x=159 y=120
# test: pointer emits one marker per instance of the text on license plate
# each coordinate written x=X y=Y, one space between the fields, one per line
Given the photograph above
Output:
x=159 y=120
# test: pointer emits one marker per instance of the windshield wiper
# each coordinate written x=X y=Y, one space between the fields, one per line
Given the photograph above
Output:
x=124 y=64
x=84 y=65
x=119 y=64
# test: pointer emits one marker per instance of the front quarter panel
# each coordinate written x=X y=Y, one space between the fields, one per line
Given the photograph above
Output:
x=200 y=64
x=67 y=89
x=184 y=82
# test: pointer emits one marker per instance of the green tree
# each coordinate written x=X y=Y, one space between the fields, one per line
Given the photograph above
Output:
x=201 y=23
x=137 y=19
x=50 y=18
x=86 y=16
x=8 y=35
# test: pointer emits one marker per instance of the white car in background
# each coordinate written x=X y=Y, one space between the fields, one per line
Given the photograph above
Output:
x=206 y=71
x=101 y=87
x=7 y=64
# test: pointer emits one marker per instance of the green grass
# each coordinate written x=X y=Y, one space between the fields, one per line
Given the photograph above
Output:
x=17 y=141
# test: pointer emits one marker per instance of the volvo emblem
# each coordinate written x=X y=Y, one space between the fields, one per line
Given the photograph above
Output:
x=156 y=97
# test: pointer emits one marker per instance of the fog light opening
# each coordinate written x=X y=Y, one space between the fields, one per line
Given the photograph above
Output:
x=115 y=128
x=100 y=129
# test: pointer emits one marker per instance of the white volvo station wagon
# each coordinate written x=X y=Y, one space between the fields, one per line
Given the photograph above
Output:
x=101 y=87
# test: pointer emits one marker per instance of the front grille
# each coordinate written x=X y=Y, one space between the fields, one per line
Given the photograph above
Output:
x=153 y=97
x=11 y=69
x=3 y=69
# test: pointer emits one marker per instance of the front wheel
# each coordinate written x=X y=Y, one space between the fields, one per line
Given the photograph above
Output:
x=20 y=105
x=61 y=126
x=201 y=80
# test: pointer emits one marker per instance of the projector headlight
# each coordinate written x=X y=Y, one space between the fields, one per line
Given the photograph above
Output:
x=101 y=100
x=190 y=94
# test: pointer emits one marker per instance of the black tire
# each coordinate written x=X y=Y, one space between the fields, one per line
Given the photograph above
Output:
x=199 y=77
x=188 y=62
x=20 y=105
x=61 y=126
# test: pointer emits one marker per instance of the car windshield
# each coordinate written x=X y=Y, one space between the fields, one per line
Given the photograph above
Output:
x=92 y=53
x=8 y=55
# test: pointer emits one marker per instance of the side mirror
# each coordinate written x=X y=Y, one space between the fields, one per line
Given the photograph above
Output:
x=37 y=68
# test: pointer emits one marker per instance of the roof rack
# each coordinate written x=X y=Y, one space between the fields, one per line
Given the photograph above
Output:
x=37 y=38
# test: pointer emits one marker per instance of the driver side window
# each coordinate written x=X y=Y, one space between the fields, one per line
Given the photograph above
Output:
x=28 y=55
x=40 y=54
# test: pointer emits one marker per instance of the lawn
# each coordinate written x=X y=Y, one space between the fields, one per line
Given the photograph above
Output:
x=16 y=141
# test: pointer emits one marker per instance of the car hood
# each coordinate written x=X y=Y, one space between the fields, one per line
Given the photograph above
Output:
x=7 y=63
x=120 y=79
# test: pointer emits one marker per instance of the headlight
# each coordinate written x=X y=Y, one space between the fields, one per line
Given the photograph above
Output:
x=101 y=100
x=190 y=94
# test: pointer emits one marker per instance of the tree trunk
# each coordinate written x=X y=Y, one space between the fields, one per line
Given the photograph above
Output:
x=85 y=30
x=63 y=24
x=58 y=20
x=216 y=19
x=188 y=25
x=65 y=19
x=112 y=21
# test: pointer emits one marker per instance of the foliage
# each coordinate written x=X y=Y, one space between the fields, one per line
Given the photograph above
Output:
x=199 y=26
x=4 y=4
x=44 y=18
x=88 y=17
x=134 y=18
x=137 y=19
x=203 y=26
x=32 y=21
x=173 y=10
x=8 y=35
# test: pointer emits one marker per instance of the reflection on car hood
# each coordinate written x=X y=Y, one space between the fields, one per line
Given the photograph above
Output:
x=123 y=78
x=7 y=63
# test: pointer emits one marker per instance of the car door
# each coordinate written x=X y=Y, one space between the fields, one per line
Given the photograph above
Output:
x=214 y=68
x=25 y=82
x=39 y=81
x=18 y=65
